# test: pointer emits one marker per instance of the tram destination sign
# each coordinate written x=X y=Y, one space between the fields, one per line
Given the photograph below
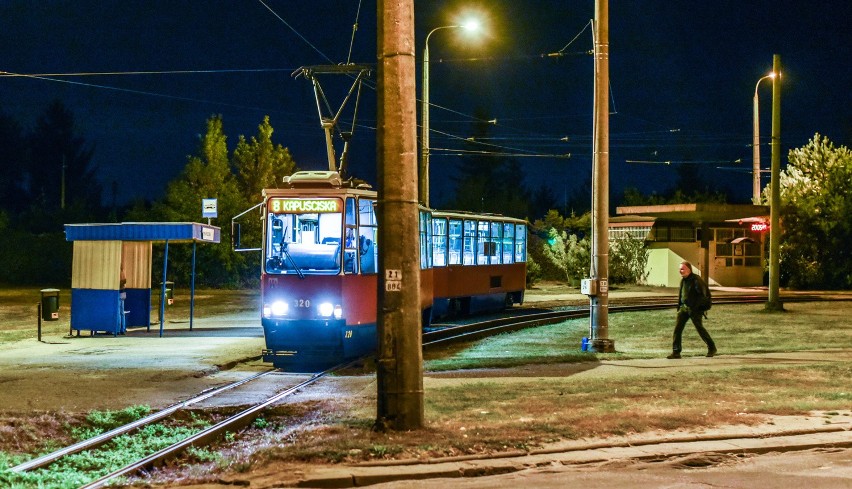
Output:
x=304 y=206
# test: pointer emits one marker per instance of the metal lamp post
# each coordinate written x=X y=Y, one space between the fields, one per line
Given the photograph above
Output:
x=471 y=25
x=756 y=143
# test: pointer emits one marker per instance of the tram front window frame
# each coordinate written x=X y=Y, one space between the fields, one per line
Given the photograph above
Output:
x=303 y=242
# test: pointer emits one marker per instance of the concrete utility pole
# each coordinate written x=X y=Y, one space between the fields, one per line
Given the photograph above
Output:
x=599 y=296
x=399 y=368
x=774 y=302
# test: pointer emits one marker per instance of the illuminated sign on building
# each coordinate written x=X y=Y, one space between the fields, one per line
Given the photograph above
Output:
x=304 y=206
x=759 y=227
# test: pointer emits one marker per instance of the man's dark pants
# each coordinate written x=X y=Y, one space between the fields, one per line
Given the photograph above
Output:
x=682 y=317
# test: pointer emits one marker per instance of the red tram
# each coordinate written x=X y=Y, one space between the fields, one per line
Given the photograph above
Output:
x=320 y=263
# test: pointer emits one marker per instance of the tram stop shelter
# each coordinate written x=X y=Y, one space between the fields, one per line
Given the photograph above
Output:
x=104 y=253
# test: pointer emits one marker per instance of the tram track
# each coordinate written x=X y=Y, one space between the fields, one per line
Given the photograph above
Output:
x=482 y=329
x=103 y=438
x=201 y=438
x=208 y=435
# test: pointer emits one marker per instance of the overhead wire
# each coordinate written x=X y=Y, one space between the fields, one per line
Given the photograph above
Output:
x=147 y=72
x=620 y=140
x=303 y=38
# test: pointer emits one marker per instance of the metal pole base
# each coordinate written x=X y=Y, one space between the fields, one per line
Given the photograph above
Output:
x=774 y=306
x=602 y=346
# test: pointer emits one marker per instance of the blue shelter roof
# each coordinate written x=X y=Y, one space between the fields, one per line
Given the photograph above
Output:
x=143 y=231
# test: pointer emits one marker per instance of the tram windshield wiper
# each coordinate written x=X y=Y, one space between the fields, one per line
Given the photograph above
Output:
x=284 y=249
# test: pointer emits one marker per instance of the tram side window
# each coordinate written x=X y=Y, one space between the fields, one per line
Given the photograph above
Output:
x=520 y=243
x=508 y=242
x=484 y=244
x=455 y=241
x=367 y=249
x=469 y=252
x=439 y=242
x=425 y=240
x=350 y=241
x=497 y=240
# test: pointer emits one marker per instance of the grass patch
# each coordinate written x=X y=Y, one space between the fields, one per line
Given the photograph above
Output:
x=736 y=329
x=81 y=468
x=492 y=416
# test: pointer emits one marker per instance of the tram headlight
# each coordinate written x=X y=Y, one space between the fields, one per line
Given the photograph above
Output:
x=326 y=309
x=277 y=308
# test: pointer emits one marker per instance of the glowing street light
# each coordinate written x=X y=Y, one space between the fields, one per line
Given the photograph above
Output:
x=755 y=146
x=471 y=25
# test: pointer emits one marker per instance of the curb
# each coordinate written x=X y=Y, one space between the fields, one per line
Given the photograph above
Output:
x=651 y=449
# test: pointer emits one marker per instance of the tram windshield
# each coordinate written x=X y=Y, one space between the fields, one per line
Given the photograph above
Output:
x=303 y=236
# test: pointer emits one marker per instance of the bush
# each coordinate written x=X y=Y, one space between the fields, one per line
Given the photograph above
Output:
x=628 y=259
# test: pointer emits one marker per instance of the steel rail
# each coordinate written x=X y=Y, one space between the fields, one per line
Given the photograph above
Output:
x=479 y=330
x=99 y=440
x=208 y=435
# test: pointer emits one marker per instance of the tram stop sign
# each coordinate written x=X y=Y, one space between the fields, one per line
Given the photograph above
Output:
x=209 y=208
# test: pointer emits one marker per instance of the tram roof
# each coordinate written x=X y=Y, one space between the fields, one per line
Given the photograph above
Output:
x=143 y=231
x=473 y=215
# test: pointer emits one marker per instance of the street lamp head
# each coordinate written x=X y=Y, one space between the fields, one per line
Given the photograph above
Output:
x=471 y=25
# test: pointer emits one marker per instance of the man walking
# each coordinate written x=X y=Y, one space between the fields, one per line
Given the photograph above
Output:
x=693 y=300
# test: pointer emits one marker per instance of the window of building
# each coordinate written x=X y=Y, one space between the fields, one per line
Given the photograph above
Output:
x=738 y=247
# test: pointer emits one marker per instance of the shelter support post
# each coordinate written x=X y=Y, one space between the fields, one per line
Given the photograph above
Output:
x=163 y=288
x=192 y=288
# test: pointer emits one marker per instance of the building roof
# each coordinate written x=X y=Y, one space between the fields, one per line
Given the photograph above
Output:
x=143 y=231
x=699 y=212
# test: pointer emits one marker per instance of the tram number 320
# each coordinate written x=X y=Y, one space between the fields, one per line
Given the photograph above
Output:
x=302 y=302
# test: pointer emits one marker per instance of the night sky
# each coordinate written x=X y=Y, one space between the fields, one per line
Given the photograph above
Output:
x=682 y=81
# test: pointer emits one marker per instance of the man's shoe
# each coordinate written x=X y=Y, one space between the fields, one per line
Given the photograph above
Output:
x=673 y=356
x=711 y=352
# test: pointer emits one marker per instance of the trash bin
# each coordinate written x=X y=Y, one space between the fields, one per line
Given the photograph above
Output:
x=170 y=298
x=50 y=304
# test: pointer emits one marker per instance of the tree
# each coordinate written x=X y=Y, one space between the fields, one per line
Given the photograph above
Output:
x=816 y=216
x=12 y=164
x=60 y=183
x=488 y=182
x=236 y=181
x=628 y=260
x=55 y=151
x=559 y=247
x=206 y=175
x=260 y=163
